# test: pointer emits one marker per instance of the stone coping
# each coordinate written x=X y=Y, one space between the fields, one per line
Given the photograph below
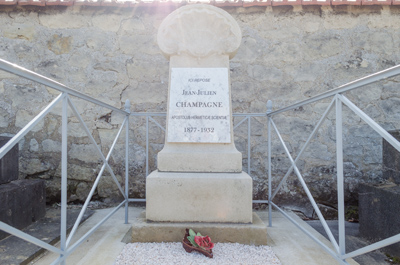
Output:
x=178 y=3
x=249 y=234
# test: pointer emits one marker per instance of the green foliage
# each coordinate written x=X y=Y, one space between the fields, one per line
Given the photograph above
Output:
x=191 y=240
x=351 y=213
x=392 y=260
x=191 y=236
x=192 y=233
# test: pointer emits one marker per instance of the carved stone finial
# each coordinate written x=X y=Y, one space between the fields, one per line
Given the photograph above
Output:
x=199 y=31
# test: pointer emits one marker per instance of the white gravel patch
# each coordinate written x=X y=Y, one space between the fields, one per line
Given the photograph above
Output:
x=173 y=253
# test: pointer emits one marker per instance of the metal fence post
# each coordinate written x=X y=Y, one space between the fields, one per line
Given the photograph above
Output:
x=128 y=110
x=249 y=145
x=340 y=180
x=64 y=176
x=269 y=110
x=147 y=145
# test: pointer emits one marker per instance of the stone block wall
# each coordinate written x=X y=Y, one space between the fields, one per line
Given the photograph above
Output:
x=288 y=53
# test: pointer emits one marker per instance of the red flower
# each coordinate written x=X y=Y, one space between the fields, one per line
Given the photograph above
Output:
x=204 y=242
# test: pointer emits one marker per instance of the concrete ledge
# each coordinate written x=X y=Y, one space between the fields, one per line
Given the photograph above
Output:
x=249 y=234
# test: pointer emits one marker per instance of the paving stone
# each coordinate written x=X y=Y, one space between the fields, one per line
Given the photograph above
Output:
x=14 y=250
x=353 y=241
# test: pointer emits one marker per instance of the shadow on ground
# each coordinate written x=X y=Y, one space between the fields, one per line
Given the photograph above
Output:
x=353 y=241
x=14 y=250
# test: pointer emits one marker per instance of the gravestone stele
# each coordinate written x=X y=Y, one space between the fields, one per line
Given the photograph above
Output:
x=199 y=176
x=199 y=40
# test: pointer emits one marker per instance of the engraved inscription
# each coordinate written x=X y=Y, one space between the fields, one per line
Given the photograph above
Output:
x=199 y=109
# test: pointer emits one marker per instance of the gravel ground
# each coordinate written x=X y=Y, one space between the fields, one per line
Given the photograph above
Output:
x=173 y=253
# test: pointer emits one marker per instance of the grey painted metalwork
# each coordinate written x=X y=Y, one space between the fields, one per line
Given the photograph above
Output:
x=246 y=117
x=338 y=100
x=18 y=233
x=269 y=110
x=94 y=228
x=159 y=126
x=91 y=138
x=388 y=137
x=307 y=191
x=128 y=110
x=248 y=145
x=64 y=176
x=147 y=146
x=90 y=195
x=340 y=178
x=327 y=249
x=65 y=250
x=14 y=140
x=390 y=72
x=316 y=128
x=23 y=72
x=372 y=247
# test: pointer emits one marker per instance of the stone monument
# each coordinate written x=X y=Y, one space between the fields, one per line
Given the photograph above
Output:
x=199 y=178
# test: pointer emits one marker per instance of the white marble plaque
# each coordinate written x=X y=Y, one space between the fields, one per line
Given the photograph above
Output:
x=199 y=110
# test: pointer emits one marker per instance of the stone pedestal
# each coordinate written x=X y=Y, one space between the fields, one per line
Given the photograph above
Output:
x=21 y=201
x=199 y=197
x=391 y=160
x=199 y=158
x=9 y=167
x=379 y=214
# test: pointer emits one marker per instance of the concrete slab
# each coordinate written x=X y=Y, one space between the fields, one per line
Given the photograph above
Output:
x=249 y=234
x=289 y=244
x=292 y=246
x=104 y=245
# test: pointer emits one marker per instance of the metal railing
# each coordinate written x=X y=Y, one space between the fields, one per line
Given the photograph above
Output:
x=66 y=99
x=338 y=100
x=245 y=117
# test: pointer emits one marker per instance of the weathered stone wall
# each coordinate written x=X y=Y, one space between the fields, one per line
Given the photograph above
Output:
x=287 y=54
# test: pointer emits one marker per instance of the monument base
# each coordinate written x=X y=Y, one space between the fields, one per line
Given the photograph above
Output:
x=199 y=197
x=248 y=234
x=199 y=157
